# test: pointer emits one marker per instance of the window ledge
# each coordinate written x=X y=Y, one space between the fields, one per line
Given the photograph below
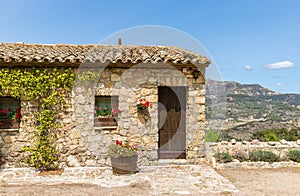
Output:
x=8 y=130
x=106 y=128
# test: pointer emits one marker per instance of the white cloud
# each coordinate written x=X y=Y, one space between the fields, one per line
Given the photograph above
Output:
x=280 y=65
x=280 y=84
x=278 y=76
x=248 y=67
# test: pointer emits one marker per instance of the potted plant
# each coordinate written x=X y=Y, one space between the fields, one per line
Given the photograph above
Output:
x=123 y=157
x=9 y=118
x=143 y=110
x=143 y=105
x=106 y=116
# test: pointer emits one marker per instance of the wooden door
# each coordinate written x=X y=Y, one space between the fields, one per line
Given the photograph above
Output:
x=172 y=122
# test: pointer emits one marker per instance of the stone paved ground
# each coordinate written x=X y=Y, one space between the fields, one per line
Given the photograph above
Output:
x=170 y=179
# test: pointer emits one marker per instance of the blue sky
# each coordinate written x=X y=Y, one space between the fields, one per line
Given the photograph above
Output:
x=251 y=41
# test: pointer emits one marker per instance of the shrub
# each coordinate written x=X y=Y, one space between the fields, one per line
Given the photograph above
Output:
x=266 y=156
x=241 y=156
x=294 y=155
x=223 y=157
x=271 y=137
x=276 y=135
x=212 y=136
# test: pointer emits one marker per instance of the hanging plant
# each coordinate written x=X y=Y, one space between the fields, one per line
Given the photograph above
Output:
x=143 y=104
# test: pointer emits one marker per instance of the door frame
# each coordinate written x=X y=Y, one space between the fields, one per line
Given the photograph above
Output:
x=180 y=91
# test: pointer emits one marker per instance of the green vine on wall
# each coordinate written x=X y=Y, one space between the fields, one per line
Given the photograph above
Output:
x=47 y=88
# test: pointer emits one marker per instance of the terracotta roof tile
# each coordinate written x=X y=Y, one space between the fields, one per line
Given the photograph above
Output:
x=63 y=53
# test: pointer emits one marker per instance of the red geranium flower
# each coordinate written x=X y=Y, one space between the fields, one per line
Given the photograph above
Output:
x=9 y=109
x=18 y=115
x=118 y=142
x=143 y=104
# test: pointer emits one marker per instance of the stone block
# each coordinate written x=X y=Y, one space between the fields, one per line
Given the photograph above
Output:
x=233 y=142
x=147 y=140
x=200 y=80
x=126 y=125
x=80 y=99
x=123 y=132
x=254 y=142
x=272 y=143
x=105 y=74
x=90 y=162
x=115 y=77
x=145 y=91
x=72 y=161
x=135 y=139
x=199 y=100
x=283 y=142
x=8 y=139
x=74 y=134
x=152 y=98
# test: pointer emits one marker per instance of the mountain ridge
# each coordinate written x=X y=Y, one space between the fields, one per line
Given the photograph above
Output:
x=241 y=109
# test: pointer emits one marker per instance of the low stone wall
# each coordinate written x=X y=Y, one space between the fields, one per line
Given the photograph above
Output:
x=279 y=148
x=233 y=148
x=254 y=165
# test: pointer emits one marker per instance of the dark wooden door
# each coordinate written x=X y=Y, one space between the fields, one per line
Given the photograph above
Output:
x=172 y=122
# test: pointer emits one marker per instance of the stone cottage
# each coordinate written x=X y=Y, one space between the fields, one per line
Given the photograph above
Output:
x=170 y=78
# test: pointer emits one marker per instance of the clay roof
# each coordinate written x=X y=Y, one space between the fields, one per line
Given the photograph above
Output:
x=76 y=54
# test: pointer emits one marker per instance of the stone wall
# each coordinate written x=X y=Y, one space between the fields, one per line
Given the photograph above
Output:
x=80 y=143
x=130 y=85
x=279 y=148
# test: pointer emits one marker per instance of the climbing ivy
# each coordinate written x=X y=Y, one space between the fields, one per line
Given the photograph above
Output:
x=88 y=76
x=45 y=87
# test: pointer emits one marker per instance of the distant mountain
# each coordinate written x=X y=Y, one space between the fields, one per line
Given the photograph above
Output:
x=238 y=110
x=232 y=87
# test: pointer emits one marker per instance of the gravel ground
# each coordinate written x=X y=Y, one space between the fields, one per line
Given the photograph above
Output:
x=71 y=189
x=283 y=181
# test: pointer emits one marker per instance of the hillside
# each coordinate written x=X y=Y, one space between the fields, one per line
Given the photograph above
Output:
x=238 y=110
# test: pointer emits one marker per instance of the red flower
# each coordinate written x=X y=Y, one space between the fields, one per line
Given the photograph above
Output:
x=118 y=142
x=9 y=109
x=18 y=115
x=4 y=112
x=1 y=123
x=18 y=110
x=141 y=100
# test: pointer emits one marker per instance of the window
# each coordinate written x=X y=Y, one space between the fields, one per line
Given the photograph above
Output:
x=10 y=113
x=106 y=111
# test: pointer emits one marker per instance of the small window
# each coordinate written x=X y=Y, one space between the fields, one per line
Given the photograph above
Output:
x=10 y=113
x=106 y=111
